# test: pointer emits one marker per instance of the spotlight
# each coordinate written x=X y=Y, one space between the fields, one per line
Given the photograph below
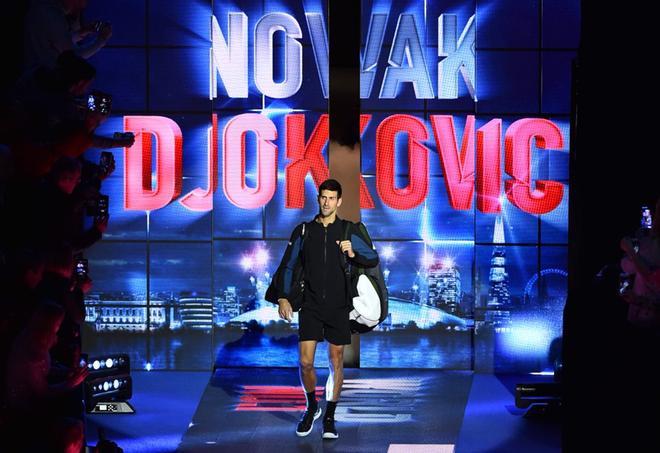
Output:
x=387 y=252
x=448 y=263
x=108 y=384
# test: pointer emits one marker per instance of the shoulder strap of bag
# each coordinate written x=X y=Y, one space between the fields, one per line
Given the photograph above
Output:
x=303 y=236
x=347 y=236
x=344 y=261
x=347 y=228
x=346 y=266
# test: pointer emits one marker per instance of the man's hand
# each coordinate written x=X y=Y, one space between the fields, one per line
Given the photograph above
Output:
x=285 y=311
x=101 y=223
x=346 y=247
x=85 y=285
x=124 y=140
x=627 y=246
x=87 y=28
x=105 y=32
x=104 y=172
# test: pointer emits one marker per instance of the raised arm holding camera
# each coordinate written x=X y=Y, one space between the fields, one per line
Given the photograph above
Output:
x=642 y=263
x=54 y=26
x=99 y=105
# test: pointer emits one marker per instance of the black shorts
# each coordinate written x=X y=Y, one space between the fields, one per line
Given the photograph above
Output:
x=334 y=327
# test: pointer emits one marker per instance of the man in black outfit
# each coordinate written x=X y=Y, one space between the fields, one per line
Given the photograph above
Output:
x=325 y=309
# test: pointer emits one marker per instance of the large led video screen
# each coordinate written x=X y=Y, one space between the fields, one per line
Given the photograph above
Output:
x=465 y=117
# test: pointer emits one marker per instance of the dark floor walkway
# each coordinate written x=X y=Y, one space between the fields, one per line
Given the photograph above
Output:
x=253 y=409
x=381 y=410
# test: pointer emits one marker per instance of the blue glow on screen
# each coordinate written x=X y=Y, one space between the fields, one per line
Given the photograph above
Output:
x=178 y=23
x=529 y=337
x=427 y=247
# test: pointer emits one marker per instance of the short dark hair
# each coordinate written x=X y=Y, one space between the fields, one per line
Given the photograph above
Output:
x=331 y=184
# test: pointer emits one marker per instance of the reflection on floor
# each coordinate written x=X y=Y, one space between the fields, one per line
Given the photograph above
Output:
x=381 y=410
x=492 y=423
x=252 y=409
x=164 y=403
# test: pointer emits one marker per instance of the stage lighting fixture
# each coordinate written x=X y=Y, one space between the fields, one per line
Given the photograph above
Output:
x=108 y=364
x=109 y=394
x=539 y=398
x=108 y=385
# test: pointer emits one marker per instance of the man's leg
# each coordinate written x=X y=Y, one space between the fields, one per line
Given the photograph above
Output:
x=333 y=389
x=336 y=365
x=306 y=352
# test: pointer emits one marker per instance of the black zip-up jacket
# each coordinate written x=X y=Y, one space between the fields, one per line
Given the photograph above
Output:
x=325 y=283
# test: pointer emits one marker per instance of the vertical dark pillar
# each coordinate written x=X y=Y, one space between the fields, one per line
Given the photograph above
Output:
x=608 y=361
x=344 y=107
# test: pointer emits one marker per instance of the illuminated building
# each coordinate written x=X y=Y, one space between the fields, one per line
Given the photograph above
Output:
x=125 y=315
x=196 y=313
x=444 y=281
x=227 y=306
x=499 y=298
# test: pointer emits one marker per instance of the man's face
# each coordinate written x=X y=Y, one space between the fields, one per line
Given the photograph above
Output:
x=34 y=275
x=328 y=202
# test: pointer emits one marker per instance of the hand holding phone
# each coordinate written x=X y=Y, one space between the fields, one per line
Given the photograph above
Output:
x=82 y=268
x=86 y=285
x=102 y=207
x=101 y=224
x=124 y=139
x=105 y=31
x=106 y=160
x=99 y=102
x=647 y=219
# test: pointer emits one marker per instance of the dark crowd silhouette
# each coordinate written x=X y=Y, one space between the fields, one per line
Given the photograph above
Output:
x=52 y=210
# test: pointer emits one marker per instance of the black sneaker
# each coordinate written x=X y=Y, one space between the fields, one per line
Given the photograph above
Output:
x=329 y=431
x=307 y=422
